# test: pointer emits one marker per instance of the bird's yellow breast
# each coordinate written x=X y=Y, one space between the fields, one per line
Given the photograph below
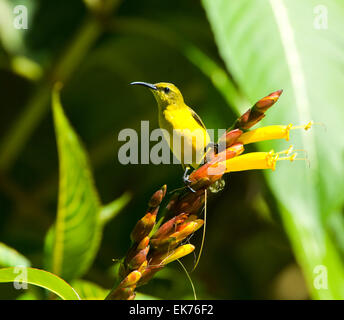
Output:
x=187 y=138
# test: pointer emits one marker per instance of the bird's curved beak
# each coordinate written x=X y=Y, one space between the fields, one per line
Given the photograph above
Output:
x=146 y=84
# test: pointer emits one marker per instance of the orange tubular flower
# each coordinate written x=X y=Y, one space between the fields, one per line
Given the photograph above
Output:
x=263 y=160
x=256 y=160
x=270 y=133
x=232 y=159
x=155 y=244
x=214 y=163
x=239 y=135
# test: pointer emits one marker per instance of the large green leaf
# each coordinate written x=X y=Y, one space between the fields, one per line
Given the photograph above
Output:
x=72 y=243
x=269 y=45
x=13 y=39
x=89 y=291
x=39 y=278
x=110 y=210
x=28 y=295
x=143 y=296
x=11 y=258
x=10 y=37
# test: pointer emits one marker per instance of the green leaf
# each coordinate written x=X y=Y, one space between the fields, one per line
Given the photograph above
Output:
x=110 y=210
x=277 y=44
x=39 y=278
x=160 y=32
x=29 y=295
x=32 y=293
x=11 y=258
x=10 y=37
x=143 y=296
x=73 y=242
x=89 y=291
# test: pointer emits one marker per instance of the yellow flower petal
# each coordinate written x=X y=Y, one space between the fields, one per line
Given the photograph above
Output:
x=178 y=253
x=259 y=160
x=270 y=133
x=251 y=161
x=265 y=133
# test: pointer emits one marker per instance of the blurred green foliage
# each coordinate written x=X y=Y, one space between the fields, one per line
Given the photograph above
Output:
x=96 y=53
x=293 y=57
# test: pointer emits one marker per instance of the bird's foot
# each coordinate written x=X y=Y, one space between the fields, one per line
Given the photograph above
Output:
x=186 y=179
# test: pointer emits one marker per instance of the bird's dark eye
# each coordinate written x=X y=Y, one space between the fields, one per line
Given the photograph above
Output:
x=166 y=89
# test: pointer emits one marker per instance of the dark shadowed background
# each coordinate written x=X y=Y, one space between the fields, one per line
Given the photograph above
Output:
x=247 y=254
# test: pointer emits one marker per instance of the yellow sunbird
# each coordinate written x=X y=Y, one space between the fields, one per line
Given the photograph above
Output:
x=186 y=131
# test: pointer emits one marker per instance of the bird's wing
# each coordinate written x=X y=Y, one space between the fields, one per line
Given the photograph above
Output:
x=197 y=118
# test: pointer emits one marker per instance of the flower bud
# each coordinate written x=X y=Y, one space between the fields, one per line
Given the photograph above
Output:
x=143 y=227
x=230 y=137
x=143 y=244
x=157 y=197
x=256 y=113
x=182 y=232
x=131 y=279
x=264 y=104
x=149 y=272
x=178 y=253
x=169 y=227
x=138 y=259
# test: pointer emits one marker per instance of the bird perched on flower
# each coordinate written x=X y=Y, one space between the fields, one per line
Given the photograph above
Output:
x=183 y=129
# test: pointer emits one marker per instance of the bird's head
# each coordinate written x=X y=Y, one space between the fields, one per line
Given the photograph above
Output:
x=164 y=93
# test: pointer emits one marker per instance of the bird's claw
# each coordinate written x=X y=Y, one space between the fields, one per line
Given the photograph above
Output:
x=186 y=179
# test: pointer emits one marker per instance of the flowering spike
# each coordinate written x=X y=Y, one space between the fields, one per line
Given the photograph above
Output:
x=131 y=279
x=143 y=243
x=270 y=133
x=144 y=226
x=157 y=197
x=253 y=160
x=170 y=226
x=181 y=233
x=257 y=112
x=248 y=119
x=287 y=151
x=265 y=133
x=149 y=272
x=264 y=104
x=186 y=229
x=206 y=171
x=151 y=251
x=138 y=259
x=259 y=160
x=126 y=288
x=178 y=253
x=230 y=137
x=143 y=266
x=306 y=126
x=120 y=294
x=291 y=157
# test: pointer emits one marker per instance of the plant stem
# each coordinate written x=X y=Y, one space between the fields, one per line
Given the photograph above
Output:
x=38 y=105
